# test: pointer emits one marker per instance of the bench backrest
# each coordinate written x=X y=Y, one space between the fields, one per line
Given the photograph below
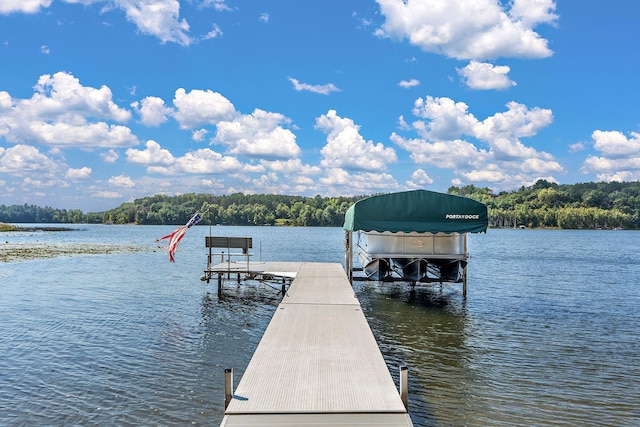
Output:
x=244 y=243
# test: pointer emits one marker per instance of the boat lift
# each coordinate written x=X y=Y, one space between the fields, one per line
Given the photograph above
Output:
x=415 y=236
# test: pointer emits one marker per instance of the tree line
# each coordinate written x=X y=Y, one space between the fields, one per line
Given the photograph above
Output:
x=234 y=209
x=592 y=205
x=36 y=214
x=544 y=204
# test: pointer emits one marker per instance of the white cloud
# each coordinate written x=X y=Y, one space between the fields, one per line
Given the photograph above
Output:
x=60 y=113
x=321 y=89
x=346 y=148
x=518 y=121
x=443 y=122
x=470 y=29
x=419 y=179
x=110 y=156
x=451 y=154
x=621 y=176
x=620 y=159
x=152 y=111
x=5 y=100
x=491 y=175
x=78 y=174
x=24 y=160
x=409 y=83
x=62 y=94
x=291 y=167
x=325 y=89
x=259 y=168
x=219 y=5
x=259 y=134
x=267 y=183
x=603 y=164
x=44 y=49
x=537 y=165
x=447 y=119
x=615 y=144
x=158 y=18
x=264 y=17
x=23 y=6
x=200 y=107
x=485 y=76
x=506 y=149
x=340 y=181
x=199 y=135
x=90 y=135
x=214 y=33
x=578 y=146
x=530 y=13
x=203 y=161
x=211 y=184
x=29 y=183
x=121 y=181
x=402 y=124
x=153 y=155
x=107 y=195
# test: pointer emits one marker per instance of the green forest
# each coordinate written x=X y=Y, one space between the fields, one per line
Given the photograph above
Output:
x=545 y=204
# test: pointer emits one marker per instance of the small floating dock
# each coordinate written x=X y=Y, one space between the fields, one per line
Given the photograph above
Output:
x=318 y=363
x=229 y=248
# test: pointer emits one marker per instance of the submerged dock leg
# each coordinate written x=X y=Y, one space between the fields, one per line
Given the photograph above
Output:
x=228 y=386
x=404 y=385
x=464 y=283
x=219 y=285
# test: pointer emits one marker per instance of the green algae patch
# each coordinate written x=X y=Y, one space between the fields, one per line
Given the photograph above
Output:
x=8 y=227
x=14 y=252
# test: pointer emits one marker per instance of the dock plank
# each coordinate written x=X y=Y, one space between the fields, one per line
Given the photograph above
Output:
x=321 y=283
x=318 y=361
x=317 y=420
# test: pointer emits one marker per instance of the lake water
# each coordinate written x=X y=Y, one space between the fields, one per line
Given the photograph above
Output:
x=548 y=334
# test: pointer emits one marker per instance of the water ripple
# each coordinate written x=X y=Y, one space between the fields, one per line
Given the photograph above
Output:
x=548 y=334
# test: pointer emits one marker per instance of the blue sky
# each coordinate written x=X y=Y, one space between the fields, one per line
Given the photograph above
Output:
x=102 y=102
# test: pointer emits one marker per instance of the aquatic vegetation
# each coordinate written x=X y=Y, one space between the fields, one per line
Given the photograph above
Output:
x=13 y=252
x=8 y=227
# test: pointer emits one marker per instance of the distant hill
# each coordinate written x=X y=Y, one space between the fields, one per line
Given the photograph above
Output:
x=576 y=206
x=545 y=204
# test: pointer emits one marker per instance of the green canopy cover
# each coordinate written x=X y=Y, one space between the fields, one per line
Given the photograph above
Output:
x=421 y=211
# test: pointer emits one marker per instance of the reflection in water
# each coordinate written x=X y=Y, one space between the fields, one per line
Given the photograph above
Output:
x=424 y=328
x=231 y=328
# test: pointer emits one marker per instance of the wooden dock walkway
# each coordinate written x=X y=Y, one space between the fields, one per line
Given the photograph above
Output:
x=318 y=363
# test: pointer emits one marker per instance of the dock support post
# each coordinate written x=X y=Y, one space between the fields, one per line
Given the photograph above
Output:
x=464 y=283
x=464 y=270
x=228 y=386
x=219 y=285
x=348 y=254
x=404 y=385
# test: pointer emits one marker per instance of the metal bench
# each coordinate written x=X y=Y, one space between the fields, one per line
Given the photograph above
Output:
x=240 y=244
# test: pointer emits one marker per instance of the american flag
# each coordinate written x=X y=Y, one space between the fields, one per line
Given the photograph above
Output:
x=178 y=234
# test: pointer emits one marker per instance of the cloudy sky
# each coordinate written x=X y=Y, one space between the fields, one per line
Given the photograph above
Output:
x=102 y=102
